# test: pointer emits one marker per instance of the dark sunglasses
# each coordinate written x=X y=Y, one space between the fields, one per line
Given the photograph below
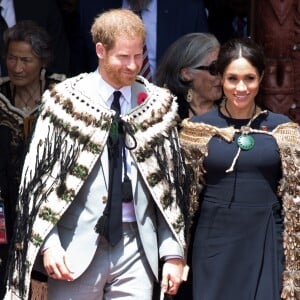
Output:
x=212 y=68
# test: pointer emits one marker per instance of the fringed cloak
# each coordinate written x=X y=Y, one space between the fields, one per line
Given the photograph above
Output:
x=70 y=135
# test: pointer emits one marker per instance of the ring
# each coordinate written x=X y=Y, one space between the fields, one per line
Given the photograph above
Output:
x=51 y=273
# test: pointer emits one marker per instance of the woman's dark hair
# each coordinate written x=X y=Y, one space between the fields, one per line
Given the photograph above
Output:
x=34 y=35
x=241 y=47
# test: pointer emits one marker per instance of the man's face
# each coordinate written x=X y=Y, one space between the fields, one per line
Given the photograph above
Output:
x=120 y=65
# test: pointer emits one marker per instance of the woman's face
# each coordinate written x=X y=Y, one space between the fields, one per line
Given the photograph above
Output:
x=205 y=85
x=241 y=82
x=23 y=66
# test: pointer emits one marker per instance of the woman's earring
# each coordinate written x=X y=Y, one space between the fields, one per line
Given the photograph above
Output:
x=189 y=95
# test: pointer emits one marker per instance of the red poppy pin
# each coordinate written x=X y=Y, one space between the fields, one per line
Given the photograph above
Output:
x=264 y=127
x=141 y=97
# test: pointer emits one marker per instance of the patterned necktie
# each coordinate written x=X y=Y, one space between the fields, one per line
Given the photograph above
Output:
x=145 y=70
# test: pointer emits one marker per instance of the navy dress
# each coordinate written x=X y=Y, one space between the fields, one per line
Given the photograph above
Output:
x=237 y=250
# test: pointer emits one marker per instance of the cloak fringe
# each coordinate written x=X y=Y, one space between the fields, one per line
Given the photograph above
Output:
x=35 y=183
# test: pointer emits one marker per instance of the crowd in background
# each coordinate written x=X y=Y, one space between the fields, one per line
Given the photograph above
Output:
x=183 y=42
x=68 y=23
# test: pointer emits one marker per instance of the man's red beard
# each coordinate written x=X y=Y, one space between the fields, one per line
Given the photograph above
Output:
x=116 y=77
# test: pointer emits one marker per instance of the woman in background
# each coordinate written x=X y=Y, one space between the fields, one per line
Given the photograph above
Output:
x=188 y=70
x=28 y=52
x=247 y=160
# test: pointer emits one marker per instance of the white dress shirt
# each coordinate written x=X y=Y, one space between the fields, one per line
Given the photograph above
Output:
x=106 y=94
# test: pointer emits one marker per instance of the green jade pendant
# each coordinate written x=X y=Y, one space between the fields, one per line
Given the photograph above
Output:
x=245 y=142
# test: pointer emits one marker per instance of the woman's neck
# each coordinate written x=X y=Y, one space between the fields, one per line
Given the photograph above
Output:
x=27 y=97
x=234 y=113
x=201 y=106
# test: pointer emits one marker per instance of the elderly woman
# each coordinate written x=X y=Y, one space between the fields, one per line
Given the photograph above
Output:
x=188 y=69
x=27 y=53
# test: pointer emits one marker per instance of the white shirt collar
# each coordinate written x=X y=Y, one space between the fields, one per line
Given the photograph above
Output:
x=105 y=90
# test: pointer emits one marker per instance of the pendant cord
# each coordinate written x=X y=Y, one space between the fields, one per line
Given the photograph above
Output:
x=230 y=115
x=244 y=131
x=227 y=111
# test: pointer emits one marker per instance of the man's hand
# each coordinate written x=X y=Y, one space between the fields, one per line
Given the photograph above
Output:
x=172 y=276
x=56 y=264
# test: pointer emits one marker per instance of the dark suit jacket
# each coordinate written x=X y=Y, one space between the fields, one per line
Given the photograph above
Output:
x=46 y=14
x=3 y=27
x=175 y=18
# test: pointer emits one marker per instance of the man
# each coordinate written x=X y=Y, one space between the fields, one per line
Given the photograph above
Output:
x=165 y=21
x=68 y=196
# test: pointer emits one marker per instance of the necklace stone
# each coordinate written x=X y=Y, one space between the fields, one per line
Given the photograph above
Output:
x=245 y=142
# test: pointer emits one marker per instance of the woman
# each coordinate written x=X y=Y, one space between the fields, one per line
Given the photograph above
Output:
x=188 y=69
x=247 y=160
x=27 y=52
